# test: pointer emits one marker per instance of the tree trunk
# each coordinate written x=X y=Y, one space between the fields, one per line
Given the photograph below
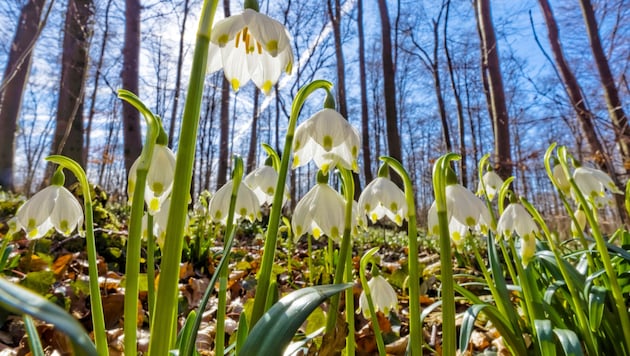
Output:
x=389 y=90
x=178 y=76
x=498 y=107
x=365 y=119
x=613 y=102
x=131 y=54
x=253 y=137
x=68 y=136
x=224 y=123
x=13 y=83
x=97 y=76
x=458 y=103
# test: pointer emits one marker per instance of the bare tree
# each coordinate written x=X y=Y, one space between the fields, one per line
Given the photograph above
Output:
x=224 y=123
x=131 y=56
x=613 y=102
x=389 y=89
x=178 y=74
x=68 y=136
x=253 y=137
x=13 y=83
x=365 y=119
x=492 y=72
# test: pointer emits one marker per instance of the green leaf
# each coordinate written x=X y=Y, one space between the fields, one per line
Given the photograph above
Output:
x=504 y=327
x=569 y=342
x=544 y=335
x=22 y=301
x=241 y=332
x=34 y=343
x=274 y=331
x=596 y=301
x=186 y=332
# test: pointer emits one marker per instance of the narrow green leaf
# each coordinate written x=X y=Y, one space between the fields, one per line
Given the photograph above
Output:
x=544 y=333
x=569 y=342
x=274 y=331
x=22 y=301
x=504 y=327
x=241 y=332
x=596 y=301
x=186 y=332
x=34 y=343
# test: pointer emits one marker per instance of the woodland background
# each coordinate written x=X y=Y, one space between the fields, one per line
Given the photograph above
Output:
x=418 y=78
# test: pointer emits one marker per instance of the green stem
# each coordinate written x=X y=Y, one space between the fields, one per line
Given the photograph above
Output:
x=96 y=308
x=237 y=176
x=415 y=327
x=219 y=343
x=446 y=264
x=600 y=242
x=276 y=208
x=368 y=295
x=350 y=342
x=134 y=239
x=150 y=265
x=166 y=299
x=344 y=250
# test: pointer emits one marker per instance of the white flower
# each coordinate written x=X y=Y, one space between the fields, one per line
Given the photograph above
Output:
x=160 y=221
x=492 y=182
x=468 y=211
x=263 y=181
x=328 y=139
x=159 y=178
x=593 y=184
x=383 y=296
x=320 y=212
x=247 y=204
x=516 y=219
x=53 y=206
x=580 y=216
x=252 y=46
x=383 y=198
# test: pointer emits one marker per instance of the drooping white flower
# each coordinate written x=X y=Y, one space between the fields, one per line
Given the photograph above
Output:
x=492 y=182
x=159 y=178
x=465 y=212
x=53 y=206
x=328 y=139
x=320 y=212
x=250 y=45
x=262 y=181
x=577 y=229
x=593 y=184
x=383 y=296
x=247 y=204
x=381 y=198
x=516 y=219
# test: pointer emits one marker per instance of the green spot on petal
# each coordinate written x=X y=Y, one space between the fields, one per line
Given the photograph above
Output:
x=272 y=47
x=327 y=142
x=223 y=39
x=266 y=87
x=235 y=84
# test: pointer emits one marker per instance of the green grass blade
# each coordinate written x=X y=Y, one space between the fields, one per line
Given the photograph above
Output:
x=596 y=301
x=274 y=331
x=22 y=301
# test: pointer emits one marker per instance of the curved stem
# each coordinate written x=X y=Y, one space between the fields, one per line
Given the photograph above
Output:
x=166 y=299
x=446 y=264
x=415 y=327
x=98 y=318
x=276 y=208
x=368 y=295
x=344 y=250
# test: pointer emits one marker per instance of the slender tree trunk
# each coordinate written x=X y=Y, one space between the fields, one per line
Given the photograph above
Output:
x=97 y=76
x=613 y=102
x=389 y=90
x=365 y=119
x=13 y=83
x=253 y=137
x=178 y=76
x=224 y=125
x=131 y=55
x=68 y=136
x=498 y=107
x=458 y=104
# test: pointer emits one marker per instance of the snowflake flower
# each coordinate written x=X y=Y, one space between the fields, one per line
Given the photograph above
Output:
x=383 y=296
x=53 y=206
x=383 y=198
